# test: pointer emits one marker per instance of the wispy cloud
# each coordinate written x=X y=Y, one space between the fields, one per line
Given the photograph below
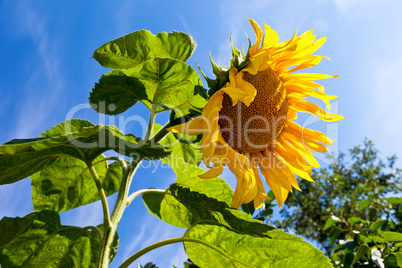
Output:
x=41 y=91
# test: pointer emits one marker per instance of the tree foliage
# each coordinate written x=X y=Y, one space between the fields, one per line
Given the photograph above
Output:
x=353 y=209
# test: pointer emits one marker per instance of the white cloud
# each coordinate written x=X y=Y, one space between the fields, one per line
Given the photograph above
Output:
x=345 y=5
x=41 y=91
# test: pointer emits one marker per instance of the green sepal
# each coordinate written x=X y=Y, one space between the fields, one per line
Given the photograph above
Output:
x=239 y=61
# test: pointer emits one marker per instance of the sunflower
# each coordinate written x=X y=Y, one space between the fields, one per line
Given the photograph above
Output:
x=248 y=124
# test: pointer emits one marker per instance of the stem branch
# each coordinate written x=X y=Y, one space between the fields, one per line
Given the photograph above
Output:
x=147 y=249
x=137 y=193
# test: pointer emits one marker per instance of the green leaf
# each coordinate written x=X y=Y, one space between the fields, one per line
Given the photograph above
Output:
x=133 y=49
x=11 y=228
x=394 y=200
x=114 y=94
x=248 y=208
x=170 y=210
x=46 y=243
x=354 y=220
x=244 y=241
x=69 y=126
x=348 y=259
x=67 y=183
x=281 y=250
x=334 y=235
x=392 y=236
x=399 y=258
x=166 y=208
x=365 y=203
x=331 y=221
x=391 y=261
x=164 y=83
x=22 y=158
x=378 y=224
x=184 y=150
x=363 y=250
x=182 y=159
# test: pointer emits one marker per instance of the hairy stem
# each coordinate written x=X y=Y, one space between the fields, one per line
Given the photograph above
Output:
x=117 y=213
x=105 y=206
x=122 y=198
x=137 y=193
x=150 y=123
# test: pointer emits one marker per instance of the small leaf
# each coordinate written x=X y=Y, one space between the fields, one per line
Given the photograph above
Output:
x=11 y=228
x=392 y=236
x=348 y=259
x=365 y=203
x=130 y=50
x=394 y=200
x=354 y=220
x=46 y=243
x=378 y=224
x=363 y=250
x=331 y=221
x=334 y=235
x=391 y=261
x=399 y=258
x=248 y=208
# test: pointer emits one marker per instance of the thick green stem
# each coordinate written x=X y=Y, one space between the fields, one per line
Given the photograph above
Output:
x=149 y=248
x=117 y=213
x=150 y=124
x=160 y=134
x=122 y=198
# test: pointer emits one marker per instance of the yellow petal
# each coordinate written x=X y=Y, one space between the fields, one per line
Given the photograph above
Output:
x=192 y=127
x=308 y=107
x=271 y=37
x=214 y=172
x=258 y=34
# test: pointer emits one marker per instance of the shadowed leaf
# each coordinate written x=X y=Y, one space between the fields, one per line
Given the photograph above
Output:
x=46 y=243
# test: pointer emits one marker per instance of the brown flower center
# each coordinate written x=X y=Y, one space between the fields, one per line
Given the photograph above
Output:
x=254 y=128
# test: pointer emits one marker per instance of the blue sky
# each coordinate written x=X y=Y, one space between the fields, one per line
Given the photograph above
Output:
x=46 y=49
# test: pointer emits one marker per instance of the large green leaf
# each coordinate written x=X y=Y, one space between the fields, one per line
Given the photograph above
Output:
x=22 y=158
x=67 y=183
x=183 y=159
x=130 y=50
x=245 y=242
x=240 y=250
x=11 y=228
x=170 y=210
x=164 y=83
x=46 y=243
x=184 y=150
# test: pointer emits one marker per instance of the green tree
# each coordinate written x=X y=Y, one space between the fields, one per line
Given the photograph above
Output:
x=349 y=207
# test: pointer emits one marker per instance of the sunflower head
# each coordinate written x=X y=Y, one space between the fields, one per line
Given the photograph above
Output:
x=248 y=124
